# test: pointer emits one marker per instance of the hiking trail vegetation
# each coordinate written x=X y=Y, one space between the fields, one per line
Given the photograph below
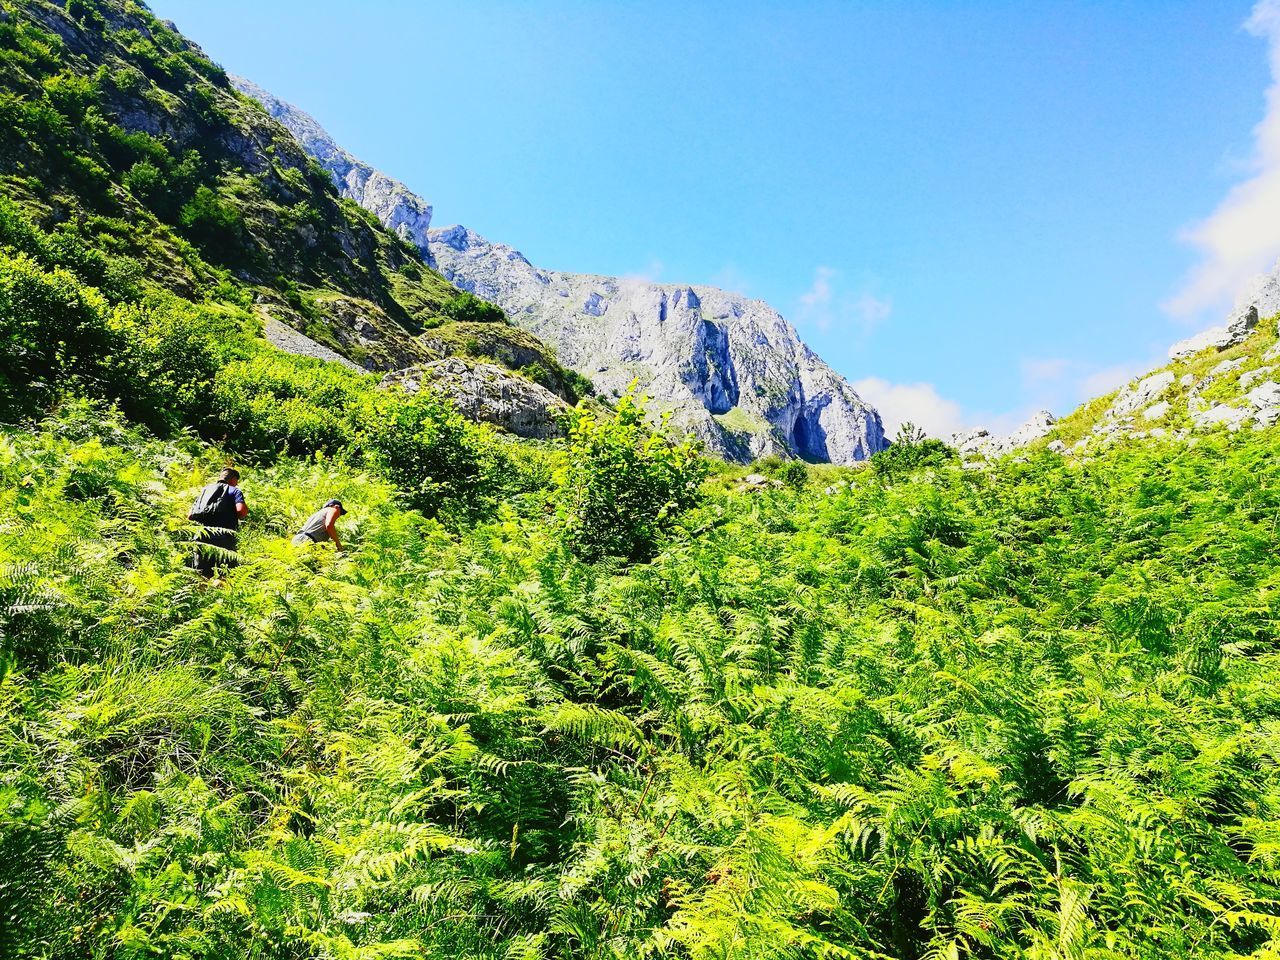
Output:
x=582 y=698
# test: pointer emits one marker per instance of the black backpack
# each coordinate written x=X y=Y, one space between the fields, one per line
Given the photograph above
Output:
x=215 y=507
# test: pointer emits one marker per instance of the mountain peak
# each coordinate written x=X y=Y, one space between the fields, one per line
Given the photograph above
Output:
x=399 y=208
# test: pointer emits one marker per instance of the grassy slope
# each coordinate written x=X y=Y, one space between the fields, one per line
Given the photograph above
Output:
x=113 y=123
x=1212 y=388
x=949 y=712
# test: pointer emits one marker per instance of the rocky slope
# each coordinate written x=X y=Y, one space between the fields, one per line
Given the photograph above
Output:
x=979 y=443
x=727 y=367
x=390 y=201
x=161 y=178
x=1225 y=378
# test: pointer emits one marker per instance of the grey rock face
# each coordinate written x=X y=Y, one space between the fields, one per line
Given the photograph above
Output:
x=1142 y=394
x=1262 y=300
x=390 y=201
x=489 y=394
x=726 y=367
x=730 y=369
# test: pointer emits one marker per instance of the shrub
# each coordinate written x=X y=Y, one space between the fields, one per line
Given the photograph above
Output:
x=794 y=474
x=622 y=485
x=176 y=351
x=53 y=336
x=272 y=401
x=214 y=225
x=468 y=308
x=911 y=450
x=425 y=447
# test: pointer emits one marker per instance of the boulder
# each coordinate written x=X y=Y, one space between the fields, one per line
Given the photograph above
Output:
x=1142 y=394
x=489 y=394
x=1253 y=376
x=1265 y=395
x=1221 y=415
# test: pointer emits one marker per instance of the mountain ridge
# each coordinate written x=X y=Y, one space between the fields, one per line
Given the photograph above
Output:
x=727 y=367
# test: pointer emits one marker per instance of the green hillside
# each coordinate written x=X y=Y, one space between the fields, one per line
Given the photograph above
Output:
x=129 y=147
x=590 y=698
x=1028 y=711
x=1216 y=388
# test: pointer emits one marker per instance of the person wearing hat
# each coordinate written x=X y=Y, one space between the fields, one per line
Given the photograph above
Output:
x=320 y=526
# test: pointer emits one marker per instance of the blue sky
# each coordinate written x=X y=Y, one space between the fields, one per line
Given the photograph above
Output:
x=970 y=209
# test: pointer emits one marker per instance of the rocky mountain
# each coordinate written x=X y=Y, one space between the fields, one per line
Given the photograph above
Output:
x=980 y=443
x=1262 y=299
x=1222 y=378
x=399 y=209
x=727 y=367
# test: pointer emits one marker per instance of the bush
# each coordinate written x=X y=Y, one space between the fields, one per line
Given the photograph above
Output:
x=425 y=447
x=468 y=308
x=54 y=337
x=911 y=450
x=794 y=474
x=272 y=401
x=176 y=351
x=623 y=485
x=214 y=225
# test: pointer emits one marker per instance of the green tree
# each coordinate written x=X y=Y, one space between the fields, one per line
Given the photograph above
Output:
x=911 y=450
x=465 y=307
x=622 y=484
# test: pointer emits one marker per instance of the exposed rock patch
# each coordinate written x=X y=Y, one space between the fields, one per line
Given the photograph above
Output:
x=980 y=443
x=489 y=394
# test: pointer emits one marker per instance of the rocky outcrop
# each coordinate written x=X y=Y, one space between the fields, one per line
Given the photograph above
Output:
x=399 y=209
x=980 y=443
x=726 y=367
x=1262 y=300
x=489 y=394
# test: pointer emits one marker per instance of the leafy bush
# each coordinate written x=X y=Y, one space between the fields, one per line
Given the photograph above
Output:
x=622 y=485
x=215 y=225
x=271 y=402
x=911 y=450
x=466 y=307
x=425 y=447
x=794 y=474
x=54 y=337
x=176 y=350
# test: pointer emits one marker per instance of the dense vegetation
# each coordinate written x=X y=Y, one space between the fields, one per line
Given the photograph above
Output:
x=1025 y=711
x=127 y=159
x=561 y=701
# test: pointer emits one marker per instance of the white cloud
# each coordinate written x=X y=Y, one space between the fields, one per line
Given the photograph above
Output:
x=1241 y=238
x=918 y=403
x=1098 y=383
x=1036 y=373
x=825 y=306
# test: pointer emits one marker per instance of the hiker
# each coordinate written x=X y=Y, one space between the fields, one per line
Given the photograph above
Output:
x=320 y=526
x=219 y=510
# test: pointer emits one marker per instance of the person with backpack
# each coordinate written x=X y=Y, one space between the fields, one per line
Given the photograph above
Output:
x=321 y=526
x=218 y=509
